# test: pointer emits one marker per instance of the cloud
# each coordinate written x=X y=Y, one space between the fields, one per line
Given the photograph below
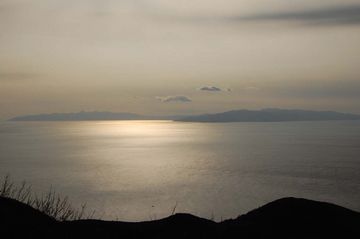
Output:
x=210 y=88
x=177 y=98
x=339 y=15
x=326 y=16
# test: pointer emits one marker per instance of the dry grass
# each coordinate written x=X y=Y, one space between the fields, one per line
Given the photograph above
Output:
x=50 y=203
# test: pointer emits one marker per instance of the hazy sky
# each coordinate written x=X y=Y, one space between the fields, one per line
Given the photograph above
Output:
x=178 y=57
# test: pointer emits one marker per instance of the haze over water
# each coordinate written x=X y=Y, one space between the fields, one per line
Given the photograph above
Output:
x=138 y=170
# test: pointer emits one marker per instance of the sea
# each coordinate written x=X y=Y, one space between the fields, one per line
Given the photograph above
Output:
x=145 y=170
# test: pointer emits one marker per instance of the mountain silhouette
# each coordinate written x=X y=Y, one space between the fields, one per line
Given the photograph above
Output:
x=283 y=218
x=270 y=115
x=83 y=115
x=265 y=115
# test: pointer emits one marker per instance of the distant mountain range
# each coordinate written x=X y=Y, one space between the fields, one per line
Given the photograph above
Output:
x=264 y=115
x=92 y=115
x=270 y=115
x=95 y=115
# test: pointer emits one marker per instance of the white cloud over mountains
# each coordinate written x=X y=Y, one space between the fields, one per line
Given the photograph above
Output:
x=174 y=99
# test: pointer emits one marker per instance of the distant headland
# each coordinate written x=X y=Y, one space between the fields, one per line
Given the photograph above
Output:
x=271 y=115
x=78 y=116
x=264 y=115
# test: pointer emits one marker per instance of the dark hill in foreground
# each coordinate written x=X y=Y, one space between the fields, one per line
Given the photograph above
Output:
x=270 y=115
x=283 y=218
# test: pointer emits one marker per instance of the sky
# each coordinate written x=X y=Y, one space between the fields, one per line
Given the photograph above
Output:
x=165 y=57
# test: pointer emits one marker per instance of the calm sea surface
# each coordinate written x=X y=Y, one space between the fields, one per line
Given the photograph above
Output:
x=137 y=170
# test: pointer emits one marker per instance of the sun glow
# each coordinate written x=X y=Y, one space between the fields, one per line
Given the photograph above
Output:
x=132 y=128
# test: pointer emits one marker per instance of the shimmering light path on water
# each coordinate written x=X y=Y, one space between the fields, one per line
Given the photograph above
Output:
x=137 y=170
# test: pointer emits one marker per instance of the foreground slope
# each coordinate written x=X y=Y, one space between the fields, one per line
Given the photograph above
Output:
x=283 y=218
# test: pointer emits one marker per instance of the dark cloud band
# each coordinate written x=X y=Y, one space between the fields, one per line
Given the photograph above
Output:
x=210 y=88
x=325 y=16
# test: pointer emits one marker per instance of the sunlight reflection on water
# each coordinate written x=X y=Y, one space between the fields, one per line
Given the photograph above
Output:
x=133 y=170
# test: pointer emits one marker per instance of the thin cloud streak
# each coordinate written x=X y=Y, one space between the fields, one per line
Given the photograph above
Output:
x=172 y=99
x=210 y=88
x=330 y=16
x=341 y=15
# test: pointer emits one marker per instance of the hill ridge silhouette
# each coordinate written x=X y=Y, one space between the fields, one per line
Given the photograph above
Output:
x=270 y=115
x=283 y=218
